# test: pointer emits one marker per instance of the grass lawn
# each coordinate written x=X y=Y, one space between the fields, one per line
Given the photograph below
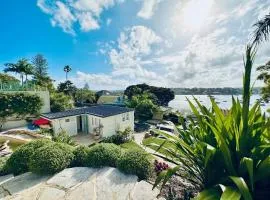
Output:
x=148 y=141
x=134 y=146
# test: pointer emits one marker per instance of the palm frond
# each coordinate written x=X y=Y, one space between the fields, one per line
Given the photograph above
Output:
x=262 y=30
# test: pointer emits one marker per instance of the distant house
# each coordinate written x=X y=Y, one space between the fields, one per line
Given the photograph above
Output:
x=105 y=120
x=112 y=100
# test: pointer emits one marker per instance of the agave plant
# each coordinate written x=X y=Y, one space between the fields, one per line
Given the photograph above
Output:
x=226 y=153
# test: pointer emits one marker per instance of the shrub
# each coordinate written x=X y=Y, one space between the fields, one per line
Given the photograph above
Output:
x=3 y=168
x=103 y=155
x=63 y=137
x=136 y=162
x=18 y=161
x=51 y=158
x=120 y=138
x=80 y=156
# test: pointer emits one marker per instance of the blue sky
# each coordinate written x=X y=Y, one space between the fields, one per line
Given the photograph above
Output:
x=113 y=43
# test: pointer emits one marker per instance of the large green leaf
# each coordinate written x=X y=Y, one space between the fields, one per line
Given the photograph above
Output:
x=263 y=170
x=246 y=165
x=229 y=193
x=242 y=186
x=209 y=194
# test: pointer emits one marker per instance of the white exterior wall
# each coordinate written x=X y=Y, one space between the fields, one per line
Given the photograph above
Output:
x=115 y=123
x=62 y=124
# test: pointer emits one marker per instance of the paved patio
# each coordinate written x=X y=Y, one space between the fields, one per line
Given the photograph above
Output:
x=85 y=139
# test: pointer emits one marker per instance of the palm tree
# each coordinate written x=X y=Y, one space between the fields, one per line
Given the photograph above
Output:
x=262 y=31
x=22 y=67
x=67 y=69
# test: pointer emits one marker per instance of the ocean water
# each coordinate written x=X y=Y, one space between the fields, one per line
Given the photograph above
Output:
x=224 y=101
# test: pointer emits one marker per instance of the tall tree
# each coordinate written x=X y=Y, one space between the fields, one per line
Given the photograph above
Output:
x=67 y=69
x=265 y=77
x=22 y=67
x=67 y=88
x=40 y=66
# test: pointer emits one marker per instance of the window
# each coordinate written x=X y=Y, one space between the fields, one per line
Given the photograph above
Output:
x=96 y=121
x=123 y=117
x=92 y=120
x=67 y=120
x=127 y=116
x=99 y=122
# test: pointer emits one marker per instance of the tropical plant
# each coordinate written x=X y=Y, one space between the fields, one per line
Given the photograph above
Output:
x=226 y=154
x=265 y=77
x=262 y=31
x=22 y=67
x=67 y=69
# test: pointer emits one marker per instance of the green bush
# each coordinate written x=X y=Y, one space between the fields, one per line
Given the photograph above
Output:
x=136 y=162
x=103 y=155
x=3 y=168
x=80 y=156
x=63 y=137
x=18 y=161
x=51 y=158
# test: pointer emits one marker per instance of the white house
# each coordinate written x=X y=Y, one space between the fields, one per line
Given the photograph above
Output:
x=106 y=118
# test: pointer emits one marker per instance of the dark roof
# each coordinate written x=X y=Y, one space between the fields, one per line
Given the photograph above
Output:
x=99 y=110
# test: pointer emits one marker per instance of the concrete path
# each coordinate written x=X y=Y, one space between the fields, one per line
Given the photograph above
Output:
x=80 y=183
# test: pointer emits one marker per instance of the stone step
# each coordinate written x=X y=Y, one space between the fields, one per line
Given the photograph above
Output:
x=22 y=182
x=6 y=178
x=143 y=191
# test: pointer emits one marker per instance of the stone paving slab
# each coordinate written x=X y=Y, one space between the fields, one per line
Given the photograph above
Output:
x=79 y=183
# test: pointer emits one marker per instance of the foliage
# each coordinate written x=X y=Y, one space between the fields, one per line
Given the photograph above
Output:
x=60 y=102
x=265 y=77
x=40 y=72
x=67 y=69
x=120 y=138
x=160 y=96
x=131 y=145
x=63 y=137
x=67 y=88
x=18 y=162
x=136 y=162
x=85 y=96
x=3 y=166
x=5 y=79
x=51 y=158
x=143 y=105
x=103 y=155
x=18 y=105
x=22 y=67
x=262 y=30
x=80 y=156
x=226 y=153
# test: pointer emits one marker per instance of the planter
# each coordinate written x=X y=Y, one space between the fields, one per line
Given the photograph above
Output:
x=96 y=137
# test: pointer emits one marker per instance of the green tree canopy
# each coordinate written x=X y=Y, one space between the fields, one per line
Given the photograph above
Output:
x=5 y=78
x=67 y=88
x=143 y=105
x=22 y=67
x=265 y=77
x=85 y=96
x=60 y=102
x=163 y=95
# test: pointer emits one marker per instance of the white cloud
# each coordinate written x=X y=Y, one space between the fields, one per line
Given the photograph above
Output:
x=66 y=13
x=148 y=8
x=109 y=21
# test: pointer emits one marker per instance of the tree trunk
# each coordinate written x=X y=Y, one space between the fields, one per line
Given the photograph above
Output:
x=66 y=76
x=22 y=79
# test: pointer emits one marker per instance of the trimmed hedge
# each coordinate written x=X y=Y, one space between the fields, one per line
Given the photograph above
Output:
x=18 y=161
x=136 y=162
x=103 y=155
x=51 y=158
x=80 y=156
